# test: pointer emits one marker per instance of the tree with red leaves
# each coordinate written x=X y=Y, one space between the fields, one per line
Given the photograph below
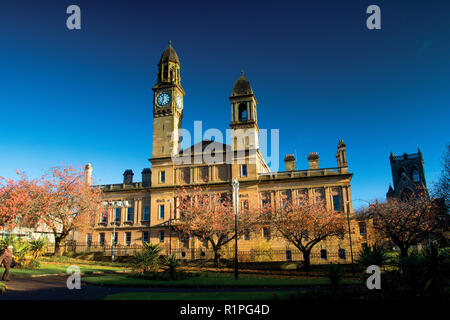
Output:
x=303 y=223
x=18 y=200
x=407 y=222
x=210 y=217
x=60 y=199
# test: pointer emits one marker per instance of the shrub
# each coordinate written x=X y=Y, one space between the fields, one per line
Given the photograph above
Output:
x=38 y=247
x=261 y=252
x=20 y=249
x=335 y=273
x=372 y=255
x=412 y=270
x=172 y=263
x=148 y=259
x=435 y=262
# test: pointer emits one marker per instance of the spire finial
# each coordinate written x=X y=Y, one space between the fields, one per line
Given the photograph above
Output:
x=170 y=43
x=242 y=72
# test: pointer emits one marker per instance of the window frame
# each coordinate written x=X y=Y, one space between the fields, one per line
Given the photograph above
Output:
x=163 y=211
x=146 y=216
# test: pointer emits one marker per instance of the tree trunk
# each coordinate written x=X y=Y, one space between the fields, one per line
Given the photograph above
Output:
x=58 y=251
x=403 y=251
x=216 y=257
x=306 y=259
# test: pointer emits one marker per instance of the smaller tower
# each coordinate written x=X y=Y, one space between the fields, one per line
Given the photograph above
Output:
x=244 y=125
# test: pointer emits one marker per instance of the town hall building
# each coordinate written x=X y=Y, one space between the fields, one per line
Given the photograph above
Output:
x=140 y=212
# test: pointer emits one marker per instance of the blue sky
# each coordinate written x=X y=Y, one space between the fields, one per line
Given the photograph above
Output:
x=318 y=73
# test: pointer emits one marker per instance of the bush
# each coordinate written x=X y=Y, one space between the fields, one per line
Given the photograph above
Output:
x=372 y=255
x=261 y=252
x=38 y=247
x=148 y=259
x=335 y=273
x=20 y=249
x=172 y=263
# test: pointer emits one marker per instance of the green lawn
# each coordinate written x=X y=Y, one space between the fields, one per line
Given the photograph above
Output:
x=200 y=295
x=60 y=268
x=212 y=280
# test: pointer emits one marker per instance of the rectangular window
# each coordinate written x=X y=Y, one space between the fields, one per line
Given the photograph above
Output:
x=244 y=204
x=341 y=253
x=161 y=211
x=104 y=217
x=337 y=203
x=288 y=255
x=128 y=238
x=362 y=228
x=146 y=216
x=247 y=235
x=145 y=236
x=266 y=233
x=89 y=239
x=162 y=176
x=101 y=239
x=244 y=170
x=118 y=211
x=323 y=254
x=130 y=214
x=161 y=236
x=116 y=238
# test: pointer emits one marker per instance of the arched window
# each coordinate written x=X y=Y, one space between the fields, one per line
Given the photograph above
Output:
x=243 y=112
x=415 y=176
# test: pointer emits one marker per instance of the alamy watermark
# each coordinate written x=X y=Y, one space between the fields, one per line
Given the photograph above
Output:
x=74 y=279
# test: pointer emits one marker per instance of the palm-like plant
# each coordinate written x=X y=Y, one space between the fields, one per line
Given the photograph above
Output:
x=335 y=273
x=372 y=255
x=172 y=263
x=433 y=269
x=148 y=259
x=37 y=247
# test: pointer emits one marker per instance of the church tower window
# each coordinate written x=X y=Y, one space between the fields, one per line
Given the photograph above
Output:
x=415 y=175
x=243 y=116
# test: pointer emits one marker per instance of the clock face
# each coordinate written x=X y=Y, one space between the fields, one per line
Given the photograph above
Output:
x=163 y=99
x=179 y=102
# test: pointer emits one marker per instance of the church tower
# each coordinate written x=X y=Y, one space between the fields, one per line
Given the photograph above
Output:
x=167 y=105
x=244 y=125
x=408 y=175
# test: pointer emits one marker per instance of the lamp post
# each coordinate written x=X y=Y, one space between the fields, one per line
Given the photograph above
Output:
x=170 y=229
x=235 y=185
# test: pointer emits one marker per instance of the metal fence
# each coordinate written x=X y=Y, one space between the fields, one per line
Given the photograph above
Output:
x=278 y=255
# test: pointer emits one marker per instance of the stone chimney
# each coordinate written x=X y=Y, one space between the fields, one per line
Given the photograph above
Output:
x=313 y=160
x=88 y=174
x=146 y=177
x=128 y=176
x=289 y=162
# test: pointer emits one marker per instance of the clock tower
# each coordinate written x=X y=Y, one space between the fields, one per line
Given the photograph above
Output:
x=167 y=105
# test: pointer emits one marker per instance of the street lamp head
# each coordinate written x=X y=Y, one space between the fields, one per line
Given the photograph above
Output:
x=235 y=183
